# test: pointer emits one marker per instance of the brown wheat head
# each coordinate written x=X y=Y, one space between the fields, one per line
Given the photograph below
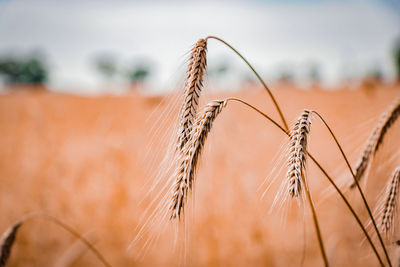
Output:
x=298 y=153
x=185 y=174
x=193 y=86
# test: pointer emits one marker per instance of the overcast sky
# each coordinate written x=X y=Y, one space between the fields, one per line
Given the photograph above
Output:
x=342 y=36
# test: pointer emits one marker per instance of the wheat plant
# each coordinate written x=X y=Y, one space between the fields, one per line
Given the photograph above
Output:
x=195 y=126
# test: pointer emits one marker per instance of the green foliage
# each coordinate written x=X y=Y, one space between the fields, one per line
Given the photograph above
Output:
x=138 y=73
x=29 y=70
x=314 y=73
x=397 y=58
x=110 y=68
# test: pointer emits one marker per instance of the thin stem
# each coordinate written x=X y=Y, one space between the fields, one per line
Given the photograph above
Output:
x=358 y=186
x=348 y=205
x=259 y=111
x=70 y=230
x=258 y=77
x=316 y=224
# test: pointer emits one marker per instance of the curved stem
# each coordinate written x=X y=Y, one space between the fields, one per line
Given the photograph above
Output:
x=259 y=111
x=70 y=230
x=358 y=186
x=348 y=205
x=258 y=77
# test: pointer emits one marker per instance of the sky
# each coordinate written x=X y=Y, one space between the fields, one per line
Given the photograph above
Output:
x=345 y=38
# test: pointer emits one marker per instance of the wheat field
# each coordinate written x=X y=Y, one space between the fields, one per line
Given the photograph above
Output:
x=90 y=162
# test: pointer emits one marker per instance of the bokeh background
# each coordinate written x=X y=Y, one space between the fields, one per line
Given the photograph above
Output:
x=89 y=98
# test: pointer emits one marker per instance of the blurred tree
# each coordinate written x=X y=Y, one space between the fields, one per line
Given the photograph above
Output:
x=25 y=70
x=397 y=59
x=314 y=73
x=138 y=73
x=106 y=65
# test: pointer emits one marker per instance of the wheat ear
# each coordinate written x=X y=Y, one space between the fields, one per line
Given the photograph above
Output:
x=296 y=177
x=7 y=241
x=375 y=140
x=193 y=86
x=297 y=153
x=185 y=173
x=390 y=201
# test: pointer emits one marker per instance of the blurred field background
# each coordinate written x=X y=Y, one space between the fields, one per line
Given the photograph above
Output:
x=82 y=159
x=89 y=94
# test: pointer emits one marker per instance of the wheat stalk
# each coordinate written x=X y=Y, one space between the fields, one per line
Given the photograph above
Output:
x=375 y=140
x=297 y=153
x=193 y=86
x=296 y=171
x=185 y=174
x=390 y=201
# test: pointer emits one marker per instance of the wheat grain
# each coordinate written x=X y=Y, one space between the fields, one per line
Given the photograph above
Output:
x=390 y=202
x=297 y=153
x=7 y=242
x=375 y=140
x=193 y=86
x=185 y=173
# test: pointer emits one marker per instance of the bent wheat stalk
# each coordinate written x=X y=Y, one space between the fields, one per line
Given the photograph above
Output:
x=390 y=201
x=184 y=181
x=187 y=168
x=258 y=77
x=375 y=140
x=8 y=238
